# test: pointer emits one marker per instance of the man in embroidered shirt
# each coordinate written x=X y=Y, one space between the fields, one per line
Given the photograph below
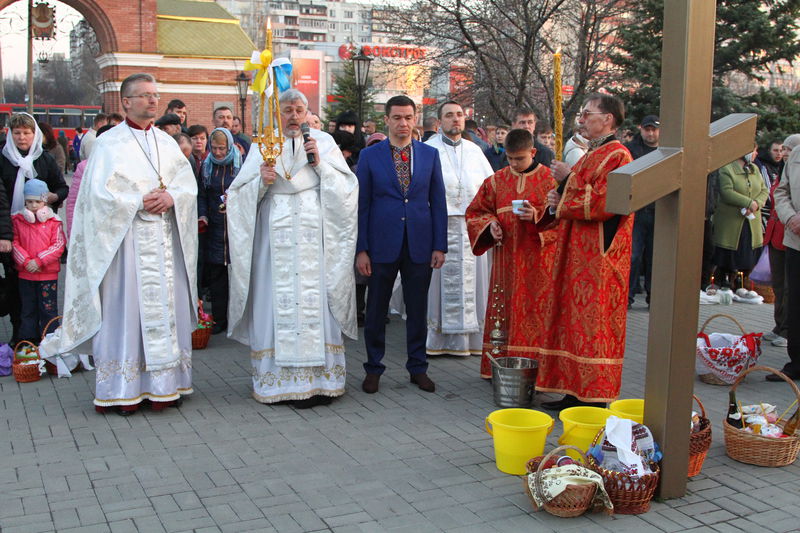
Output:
x=130 y=285
x=402 y=226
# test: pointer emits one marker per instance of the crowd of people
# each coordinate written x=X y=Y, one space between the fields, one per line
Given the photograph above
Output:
x=486 y=243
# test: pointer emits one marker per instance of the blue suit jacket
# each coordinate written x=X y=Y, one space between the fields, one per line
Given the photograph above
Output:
x=384 y=214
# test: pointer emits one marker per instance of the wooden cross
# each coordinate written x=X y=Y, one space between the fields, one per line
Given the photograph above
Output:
x=674 y=175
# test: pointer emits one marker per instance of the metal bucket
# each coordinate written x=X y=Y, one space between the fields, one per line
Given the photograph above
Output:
x=514 y=381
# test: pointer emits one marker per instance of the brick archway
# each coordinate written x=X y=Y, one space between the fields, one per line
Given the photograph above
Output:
x=104 y=16
x=134 y=36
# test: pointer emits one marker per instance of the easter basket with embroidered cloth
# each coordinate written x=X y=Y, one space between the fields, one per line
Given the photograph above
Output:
x=629 y=469
x=722 y=357
x=565 y=491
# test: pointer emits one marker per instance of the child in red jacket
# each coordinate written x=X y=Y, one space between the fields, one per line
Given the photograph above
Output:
x=38 y=244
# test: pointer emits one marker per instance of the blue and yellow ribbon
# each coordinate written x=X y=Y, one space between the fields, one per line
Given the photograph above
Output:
x=262 y=63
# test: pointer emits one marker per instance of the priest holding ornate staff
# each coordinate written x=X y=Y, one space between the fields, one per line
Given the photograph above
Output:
x=293 y=219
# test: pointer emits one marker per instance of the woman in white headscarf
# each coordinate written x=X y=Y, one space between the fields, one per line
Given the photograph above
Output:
x=23 y=159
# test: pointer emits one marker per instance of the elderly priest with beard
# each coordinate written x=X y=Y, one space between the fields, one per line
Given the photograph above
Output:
x=293 y=239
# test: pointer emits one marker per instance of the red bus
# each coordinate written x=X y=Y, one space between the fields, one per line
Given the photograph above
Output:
x=62 y=117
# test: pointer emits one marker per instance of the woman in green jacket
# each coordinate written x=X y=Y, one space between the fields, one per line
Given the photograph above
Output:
x=738 y=232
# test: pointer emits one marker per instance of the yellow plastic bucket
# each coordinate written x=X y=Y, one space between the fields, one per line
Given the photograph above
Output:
x=519 y=435
x=633 y=409
x=581 y=424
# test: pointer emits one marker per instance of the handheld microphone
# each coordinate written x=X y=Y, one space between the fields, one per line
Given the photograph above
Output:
x=307 y=137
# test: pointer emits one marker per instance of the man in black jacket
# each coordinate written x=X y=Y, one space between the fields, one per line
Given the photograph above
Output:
x=23 y=144
x=525 y=119
x=643 y=143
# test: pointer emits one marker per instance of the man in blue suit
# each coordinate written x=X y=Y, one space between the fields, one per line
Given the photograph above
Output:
x=402 y=227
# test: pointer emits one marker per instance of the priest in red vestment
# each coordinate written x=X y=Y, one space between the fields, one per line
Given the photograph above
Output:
x=582 y=352
x=519 y=280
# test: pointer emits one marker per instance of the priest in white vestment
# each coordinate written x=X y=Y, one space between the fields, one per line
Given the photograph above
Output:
x=292 y=231
x=459 y=290
x=130 y=295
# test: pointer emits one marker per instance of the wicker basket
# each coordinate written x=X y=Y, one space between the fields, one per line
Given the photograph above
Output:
x=756 y=449
x=711 y=379
x=574 y=501
x=200 y=338
x=50 y=367
x=24 y=373
x=629 y=496
x=699 y=442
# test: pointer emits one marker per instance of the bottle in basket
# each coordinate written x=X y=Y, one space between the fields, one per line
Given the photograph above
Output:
x=734 y=416
x=791 y=424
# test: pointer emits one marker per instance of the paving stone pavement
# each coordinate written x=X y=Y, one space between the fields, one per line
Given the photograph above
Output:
x=400 y=460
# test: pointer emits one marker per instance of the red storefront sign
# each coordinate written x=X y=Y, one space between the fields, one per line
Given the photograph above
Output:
x=346 y=51
x=461 y=81
x=305 y=78
x=400 y=52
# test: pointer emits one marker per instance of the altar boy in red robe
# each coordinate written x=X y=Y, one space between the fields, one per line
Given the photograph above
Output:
x=519 y=285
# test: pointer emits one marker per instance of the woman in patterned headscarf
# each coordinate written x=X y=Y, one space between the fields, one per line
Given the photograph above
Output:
x=218 y=172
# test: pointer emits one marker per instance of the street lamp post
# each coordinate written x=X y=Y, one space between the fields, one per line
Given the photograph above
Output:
x=361 y=67
x=30 y=57
x=242 y=83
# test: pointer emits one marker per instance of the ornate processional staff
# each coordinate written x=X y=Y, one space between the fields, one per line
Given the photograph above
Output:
x=272 y=78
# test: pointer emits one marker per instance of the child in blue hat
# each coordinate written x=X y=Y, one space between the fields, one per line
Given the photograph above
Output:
x=38 y=245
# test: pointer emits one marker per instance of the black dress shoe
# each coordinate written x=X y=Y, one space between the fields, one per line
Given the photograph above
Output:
x=423 y=382
x=314 y=401
x=124 y=412
x=569 y=401
x=370 y=384
x=556 y=405
x=777 y=378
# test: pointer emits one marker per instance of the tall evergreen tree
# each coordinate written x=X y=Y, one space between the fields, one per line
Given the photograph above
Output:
x=778 y=114
x=345 y=92
x=749 y=36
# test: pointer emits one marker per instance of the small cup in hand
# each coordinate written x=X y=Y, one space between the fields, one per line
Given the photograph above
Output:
x=516 y=206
